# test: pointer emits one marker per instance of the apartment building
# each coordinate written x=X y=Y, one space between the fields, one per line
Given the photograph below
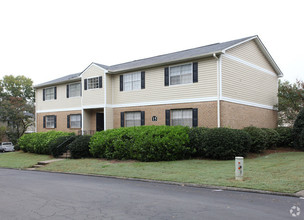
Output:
x=231 y=84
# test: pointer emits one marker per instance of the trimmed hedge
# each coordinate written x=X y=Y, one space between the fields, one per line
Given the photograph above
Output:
x=298 y=131
x=225 y=143
x=60 y=145
x=272 y=137
x=39 y=142
x=79 y=148
x=285 y=137
x=258 y=139
x=145 y=143
x=196 y=137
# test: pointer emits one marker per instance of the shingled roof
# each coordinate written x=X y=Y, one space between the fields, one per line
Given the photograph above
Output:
x=184 y=55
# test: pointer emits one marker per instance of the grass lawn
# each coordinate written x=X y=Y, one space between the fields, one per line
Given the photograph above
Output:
x=281 y=172
x=20 y=160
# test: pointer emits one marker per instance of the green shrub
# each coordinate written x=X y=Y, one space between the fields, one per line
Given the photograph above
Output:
x=60 y=145
x=285 y=137
x=145 y=143
x=79 y=148
x=196 y=137
x=225 y=143
x=161 y=143
x=298 y=131
x=39 y=142
x=258 y=139
x=272 y=137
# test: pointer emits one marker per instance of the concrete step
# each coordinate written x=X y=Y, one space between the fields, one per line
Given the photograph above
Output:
x=37 y=166
x=48 y=161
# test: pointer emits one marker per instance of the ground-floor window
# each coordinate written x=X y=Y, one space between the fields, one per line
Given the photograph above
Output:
x=75 y=121
x=132 y=119
x=49 y=121
x=184 y=117
x=181 y=117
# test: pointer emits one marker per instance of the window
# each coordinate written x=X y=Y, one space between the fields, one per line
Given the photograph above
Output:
x=132 y=119
x=73 y=90
x=50 y=121
x=181 y=117
x=93 y=83
x=181 y=74
x=132 y=81
x=75 y=121
x=49 y=93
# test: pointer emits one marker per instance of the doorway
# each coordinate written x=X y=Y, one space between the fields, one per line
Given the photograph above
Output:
x=99 y=121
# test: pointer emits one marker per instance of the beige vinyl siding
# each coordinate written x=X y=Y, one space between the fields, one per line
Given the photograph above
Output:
x=245 y=83
x=62 y=102
x=93 y=97
x=109 y=118
x=155 y=90
x=251 y=53
x=109 y=88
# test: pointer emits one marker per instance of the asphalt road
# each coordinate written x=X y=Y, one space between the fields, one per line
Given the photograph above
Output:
x=40 y=195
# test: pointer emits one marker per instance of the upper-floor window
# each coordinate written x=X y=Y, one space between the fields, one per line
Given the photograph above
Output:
x=49 y=93
x=132 y=81
x=73 y=90
x=49 y=121
x=181 y=74
x=93 y=83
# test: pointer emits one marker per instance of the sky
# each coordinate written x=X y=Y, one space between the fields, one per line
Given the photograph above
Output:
x=47 y=39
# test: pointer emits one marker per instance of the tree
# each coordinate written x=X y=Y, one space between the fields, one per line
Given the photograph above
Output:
x=291 y=101
x=16 y=105
x=298 y=131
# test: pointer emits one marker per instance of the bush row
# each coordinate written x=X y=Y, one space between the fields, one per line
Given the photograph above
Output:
x=159 y=143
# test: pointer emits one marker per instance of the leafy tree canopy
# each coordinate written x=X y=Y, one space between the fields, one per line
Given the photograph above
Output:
x=291 y=101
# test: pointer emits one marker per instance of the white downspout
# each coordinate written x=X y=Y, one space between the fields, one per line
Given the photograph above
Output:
x=105 y=101
x=218 y=90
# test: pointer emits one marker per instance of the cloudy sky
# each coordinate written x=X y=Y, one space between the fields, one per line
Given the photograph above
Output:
x=46 y=39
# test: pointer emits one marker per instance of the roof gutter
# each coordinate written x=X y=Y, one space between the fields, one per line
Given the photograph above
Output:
x=58 y=83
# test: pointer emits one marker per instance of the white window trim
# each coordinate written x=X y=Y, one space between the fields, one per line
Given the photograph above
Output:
x=45 y=93
x=123 y=89
x=70 y=91
x=181 y=65
x=91 y=77
x=182 y=109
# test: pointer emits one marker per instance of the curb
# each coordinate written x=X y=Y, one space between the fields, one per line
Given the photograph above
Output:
x=228 y=188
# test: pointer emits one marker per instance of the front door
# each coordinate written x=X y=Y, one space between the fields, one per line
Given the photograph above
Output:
x=99 y=122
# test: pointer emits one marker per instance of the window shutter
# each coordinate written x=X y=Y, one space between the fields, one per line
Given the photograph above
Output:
x=121 y=82
x=67 y=92
x=194 y=117
x=143 y=80
x=55 y=92
x=195 y=72
x=100 y=82
x=168 y=117
x=68 y=121
x=43 y=121
x=85 y=84
x=122 y=119
x=43 y=94
x=167 y=76
x=55 y=121
x=142 y=122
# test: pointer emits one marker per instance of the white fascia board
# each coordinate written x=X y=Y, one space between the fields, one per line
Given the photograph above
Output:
x=92 y=64
x=59 y=110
